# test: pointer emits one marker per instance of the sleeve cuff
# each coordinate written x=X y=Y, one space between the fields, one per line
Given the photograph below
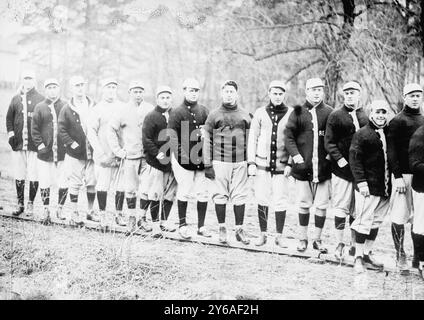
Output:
x=41 y=146
x=11 y=134
x=362 y=184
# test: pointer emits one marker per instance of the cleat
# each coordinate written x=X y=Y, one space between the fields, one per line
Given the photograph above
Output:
x=131 y=226
x=339 y=251
x=262 y=240
x=29 y=212
x=102 y=221
x=370 y=261
x=317 y=245
x=120 y=219
x=143 y=225
x=18 y=211
x=165 y=227
x=223 y=235
x=359 y=266
x=279 y=241
x=46 y=220
x=402 y=264
x=59 y=213
x=157 y=231
x=241 y=236
x=93 y=216
x=184 y=233
x=203 y=231
x=303 y=244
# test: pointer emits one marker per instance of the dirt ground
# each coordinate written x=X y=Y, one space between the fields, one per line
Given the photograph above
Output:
x=54 y=262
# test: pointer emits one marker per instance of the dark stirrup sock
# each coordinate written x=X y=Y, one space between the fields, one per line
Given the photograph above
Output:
x=45 y=196
x=33 y=188
x=102 y=200
x=154 y=210
x=166 y=209
x=131 y=203
x=239 y=214
x=339 y=223
x=201 y=213
x=62 y=195
x=280 y=218
x=220 y=212
x=182 y=212
x=119 y=200
x=263 y=217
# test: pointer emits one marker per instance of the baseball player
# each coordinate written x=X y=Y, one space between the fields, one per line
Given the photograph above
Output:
x=79 y=155
x=24 y=155
x=304 y=141
x=51 y=151
x=185 y=125
x=107 y=167
x=224 y=154
x=158 y=182
x=369 y=165
x=400 y=130
x=341 y=125
x=416 y=161
x=127 y=127
x=268 y=160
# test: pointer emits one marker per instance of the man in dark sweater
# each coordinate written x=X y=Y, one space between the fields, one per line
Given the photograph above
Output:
x=416 y=163
x=224 y=154
x=79 y=154
x=341 y=125
x=51 y=150
x=157 y=181
x=24 y=154
x=305 y=132
x=185 y=125
x=400 y=130
x=369 y=165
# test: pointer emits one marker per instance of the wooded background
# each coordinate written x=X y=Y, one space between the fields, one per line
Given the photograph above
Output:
x=378 y=43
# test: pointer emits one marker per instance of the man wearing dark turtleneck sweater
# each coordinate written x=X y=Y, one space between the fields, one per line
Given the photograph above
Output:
x=268 y=160
x=185 y=125
x=304 y=140
x=400 y=131
x=341 y=125
x=224 y=154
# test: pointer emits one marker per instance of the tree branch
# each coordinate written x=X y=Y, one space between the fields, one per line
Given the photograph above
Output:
x=320 y=60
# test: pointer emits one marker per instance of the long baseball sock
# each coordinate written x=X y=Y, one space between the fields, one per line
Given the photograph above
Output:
x=62 y=195
x=201 y=213
x=319 y=222
x=20 y=191
x=398 y=235
x=45 y=196
x=166 y=209
x=154 y=210
x=119 y=200
x=239 y=214
x=74 y=201
x=415 y=245
x=352 y=232
x=131 y=204
x=360 y=241
x=182 y=212
x=144 y=205
x=280 y=218
x=303 y=225
x=220 y=212
x=91 y=197
x=102 y=200
x=33 y=188
x=263 y=217
x=369 y=241
x=339 y=224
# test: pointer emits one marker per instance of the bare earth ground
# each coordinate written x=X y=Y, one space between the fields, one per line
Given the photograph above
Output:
x=38 y=262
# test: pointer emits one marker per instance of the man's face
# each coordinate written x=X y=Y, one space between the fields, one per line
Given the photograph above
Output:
x=137 y=95
x=414 y=99
x=164 y=100
x=315 y=95
x=52 y=91
x=28 y=83
x=379 y=116
x=276 y=95
x=78 y=89
x=351 y=97
x=191 y=94
x=110 y=92
x=229 y=95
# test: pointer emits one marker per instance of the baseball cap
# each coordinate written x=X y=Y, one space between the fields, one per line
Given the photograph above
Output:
x=230 y=83
x=51 y=81
x=314 y=82
x=107 y=81
x=277 y=84
x=352 y=85
x=74 y=80
x=411 y=87
x=191 y=83
x=28 y=74
x=162 y=89
x=379 y=104
x=136 y=84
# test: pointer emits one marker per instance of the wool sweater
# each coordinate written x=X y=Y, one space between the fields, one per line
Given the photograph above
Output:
x=338 y=137
x=15 y=122
x=416 y=159
x=185 y=131
x=266 y=146
x=400 y=130
x=226 y=134
x=304 y=135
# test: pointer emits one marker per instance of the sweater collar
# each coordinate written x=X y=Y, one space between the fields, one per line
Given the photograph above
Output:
x=410 y=110
x=161 y=110
x=228 y=106
x=50 y=101
x=189 y=103
x=309 y=105
x=277 y=109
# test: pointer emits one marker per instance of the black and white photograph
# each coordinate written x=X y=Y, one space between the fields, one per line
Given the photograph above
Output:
x=211 y=155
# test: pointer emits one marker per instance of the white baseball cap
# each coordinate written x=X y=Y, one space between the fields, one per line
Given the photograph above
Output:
x=107 y=81
x=313 y=83
x=379 y=104
x=74 y=80
x=50 y=81
x=191 y=83
x=411 y=87
x=162 y=89
x=277 y=84
x=28 y=74
x=136 y=84
x=352 y=85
